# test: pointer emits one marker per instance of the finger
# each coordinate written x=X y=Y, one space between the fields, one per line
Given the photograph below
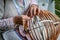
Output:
x=28 y=13
x=26 y=18
x=38 y=11
x=35 y=9
x=31 y=9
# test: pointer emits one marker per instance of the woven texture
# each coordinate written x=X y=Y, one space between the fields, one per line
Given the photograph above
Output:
x=43 y=26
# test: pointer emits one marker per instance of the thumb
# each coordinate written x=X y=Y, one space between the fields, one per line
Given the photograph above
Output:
x=25 y=17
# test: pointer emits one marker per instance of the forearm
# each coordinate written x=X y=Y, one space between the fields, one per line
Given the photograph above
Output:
x=6 y=23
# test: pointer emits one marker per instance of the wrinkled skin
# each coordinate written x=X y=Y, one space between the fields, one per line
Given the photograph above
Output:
x=20 y=19
x=32 y=10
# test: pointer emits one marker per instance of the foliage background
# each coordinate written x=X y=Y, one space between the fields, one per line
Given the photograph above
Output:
x=57 y=7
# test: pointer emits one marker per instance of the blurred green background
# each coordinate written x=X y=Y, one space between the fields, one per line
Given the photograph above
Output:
x=57 y=7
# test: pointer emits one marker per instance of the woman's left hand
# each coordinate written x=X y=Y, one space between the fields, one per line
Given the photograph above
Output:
x=33 y=10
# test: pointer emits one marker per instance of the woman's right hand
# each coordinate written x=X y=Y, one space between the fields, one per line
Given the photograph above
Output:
x=19 y=19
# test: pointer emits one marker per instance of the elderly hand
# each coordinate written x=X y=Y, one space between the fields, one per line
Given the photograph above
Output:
x=19 y=19
x=32 y=10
